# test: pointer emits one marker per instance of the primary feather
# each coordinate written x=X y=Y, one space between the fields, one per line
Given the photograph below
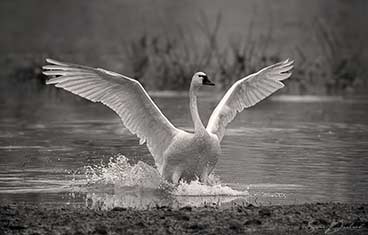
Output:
x=247 y=92
x=122 y=94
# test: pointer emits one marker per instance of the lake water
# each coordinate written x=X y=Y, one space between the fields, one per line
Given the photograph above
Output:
x=285 y=150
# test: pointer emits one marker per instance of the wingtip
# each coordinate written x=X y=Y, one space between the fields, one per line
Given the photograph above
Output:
x=52 y=61
x=47 y=82
x=46 y=72
x=49 y=60
x=288 y=62
x=288 y=59
x=291 y=61
x=46 y=67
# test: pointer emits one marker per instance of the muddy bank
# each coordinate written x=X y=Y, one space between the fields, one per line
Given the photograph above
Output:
x=239 y=219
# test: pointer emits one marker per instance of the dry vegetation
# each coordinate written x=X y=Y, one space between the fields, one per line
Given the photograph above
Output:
x=163 y=62
x=170 y=61
x=339 y=68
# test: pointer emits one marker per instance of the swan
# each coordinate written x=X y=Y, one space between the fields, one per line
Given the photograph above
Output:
x=178 y=155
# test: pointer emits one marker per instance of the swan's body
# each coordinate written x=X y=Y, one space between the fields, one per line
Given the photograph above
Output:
x=190 y=156
x=177 y=153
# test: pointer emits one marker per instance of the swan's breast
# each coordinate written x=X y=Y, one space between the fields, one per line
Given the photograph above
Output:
x=190 y=156
x=190 y=149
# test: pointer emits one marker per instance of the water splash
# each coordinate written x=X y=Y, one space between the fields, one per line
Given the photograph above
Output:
x=119 y=183
x=213 y=188
x=120 y=173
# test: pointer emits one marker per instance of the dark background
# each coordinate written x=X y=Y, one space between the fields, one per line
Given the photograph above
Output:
x=163 y=42
x=319 y=142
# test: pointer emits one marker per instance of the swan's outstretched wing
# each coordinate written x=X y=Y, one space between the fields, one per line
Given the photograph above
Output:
x=122 y=94
x=246 y=92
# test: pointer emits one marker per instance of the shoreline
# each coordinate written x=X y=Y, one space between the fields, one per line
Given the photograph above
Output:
x=316 y=218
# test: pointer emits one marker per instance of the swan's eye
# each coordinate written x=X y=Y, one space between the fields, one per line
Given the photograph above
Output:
x=204 y=77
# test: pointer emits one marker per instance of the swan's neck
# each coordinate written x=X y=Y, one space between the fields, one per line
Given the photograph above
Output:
x=198 y=125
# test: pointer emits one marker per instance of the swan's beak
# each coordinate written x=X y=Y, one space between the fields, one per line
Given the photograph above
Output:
x=207 y=82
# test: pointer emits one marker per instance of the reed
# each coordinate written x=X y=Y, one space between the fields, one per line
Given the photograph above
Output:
x=338 y=68
x=167 y=62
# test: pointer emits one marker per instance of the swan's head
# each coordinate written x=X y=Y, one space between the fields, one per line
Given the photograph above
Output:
x=200 y=79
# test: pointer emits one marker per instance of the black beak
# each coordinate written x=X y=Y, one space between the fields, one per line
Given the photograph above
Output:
x=207 y=82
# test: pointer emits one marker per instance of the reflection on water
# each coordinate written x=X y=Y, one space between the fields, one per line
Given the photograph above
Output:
x=150 y=199
x=281 y=151
x=143 y=198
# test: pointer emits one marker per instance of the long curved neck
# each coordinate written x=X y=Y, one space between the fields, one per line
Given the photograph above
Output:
x=198 y=125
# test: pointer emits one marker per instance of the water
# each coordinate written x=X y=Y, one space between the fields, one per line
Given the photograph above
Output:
x=285 y=150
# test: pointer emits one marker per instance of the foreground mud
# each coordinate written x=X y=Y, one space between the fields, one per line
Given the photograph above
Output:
x=239 y=219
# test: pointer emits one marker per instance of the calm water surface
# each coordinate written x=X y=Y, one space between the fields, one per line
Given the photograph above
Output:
x=285 y=150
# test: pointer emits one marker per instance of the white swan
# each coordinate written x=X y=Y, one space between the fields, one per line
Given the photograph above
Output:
x=177 y=154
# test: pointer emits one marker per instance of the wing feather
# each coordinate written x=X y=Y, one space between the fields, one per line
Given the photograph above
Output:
x=122 y=94
x=247 y=92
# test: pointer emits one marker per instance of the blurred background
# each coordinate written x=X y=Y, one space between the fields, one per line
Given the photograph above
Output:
x=310 y=148
x=163 y=42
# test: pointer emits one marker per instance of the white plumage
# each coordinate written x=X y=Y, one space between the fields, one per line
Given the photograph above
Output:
x=247 y=92
x=177 y=154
